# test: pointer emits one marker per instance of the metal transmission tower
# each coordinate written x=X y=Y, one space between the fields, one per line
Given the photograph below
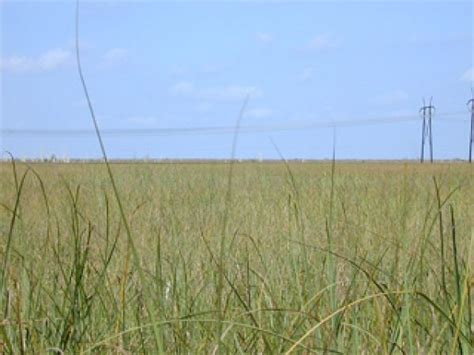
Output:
x=470 y=104
x=427 y=112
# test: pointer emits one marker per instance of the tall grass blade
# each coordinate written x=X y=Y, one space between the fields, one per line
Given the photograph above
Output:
x=150 y=306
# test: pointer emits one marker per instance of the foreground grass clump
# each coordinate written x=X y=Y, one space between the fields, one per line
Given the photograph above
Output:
x=364 y=258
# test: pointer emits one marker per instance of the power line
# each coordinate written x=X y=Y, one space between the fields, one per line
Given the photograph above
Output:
x=471 y=136
x=205 y=130
x=427 y=112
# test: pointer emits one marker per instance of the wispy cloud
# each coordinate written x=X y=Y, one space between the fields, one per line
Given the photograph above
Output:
x=390 y=97
x=115 y=56
x=468 y=75
x=232 y=92
x=54 y=59
x=205 y=70
x=183 y=88
x=263 y=38
x=50 y=60
x=323 y=41
x=16 y=63
x=229 y=92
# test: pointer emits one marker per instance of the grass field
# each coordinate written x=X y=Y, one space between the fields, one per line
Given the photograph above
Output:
x=362 y=258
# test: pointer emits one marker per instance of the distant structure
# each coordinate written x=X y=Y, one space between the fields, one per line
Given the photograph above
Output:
x=427 y=113
x=470 y=104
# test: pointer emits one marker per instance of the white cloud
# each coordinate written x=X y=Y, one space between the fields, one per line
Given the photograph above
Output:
x=15 y=63
x=322 y=41
x=391 y=97
x=183 y=88
x=50 y=60
x=264 y=38
x=181 y=71
x=54 y=59
x=259 y=112
x=115 y=55
x=468 y=75
x=229 y=92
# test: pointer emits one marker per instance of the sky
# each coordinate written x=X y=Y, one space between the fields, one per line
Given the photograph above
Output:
x=156 y=68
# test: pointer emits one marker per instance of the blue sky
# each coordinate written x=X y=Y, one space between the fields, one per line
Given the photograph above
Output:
x=188 y=64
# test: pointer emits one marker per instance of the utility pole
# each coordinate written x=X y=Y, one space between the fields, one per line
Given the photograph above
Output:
x=470 y=105
x=426 y=113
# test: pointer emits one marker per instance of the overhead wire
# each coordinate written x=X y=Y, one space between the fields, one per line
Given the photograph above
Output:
x=211 y=130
